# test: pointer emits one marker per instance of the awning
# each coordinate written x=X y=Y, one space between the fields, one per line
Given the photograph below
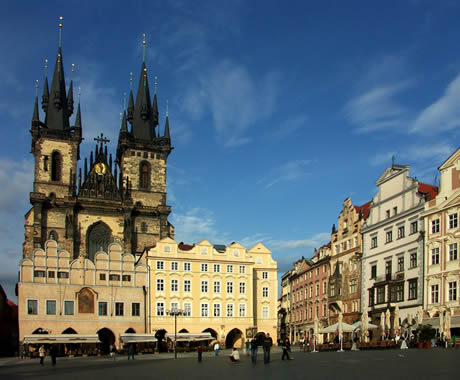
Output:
x=359 y=326
x=61 y=338
x=137 y=338
x=434 y=322
x=190 y=337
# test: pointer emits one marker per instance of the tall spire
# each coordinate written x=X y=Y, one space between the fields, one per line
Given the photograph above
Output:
x=78 y=117
x=155 y=106
x=35 y=116
x=46 y=93
x=70 y=94
x=58 y=113
x=131 y=98
x=124 y=124
x=142 y=122
x=167 y=135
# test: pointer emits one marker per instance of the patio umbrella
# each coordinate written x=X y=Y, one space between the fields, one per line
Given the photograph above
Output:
x=388 y=320
x=447 y=324
x=364 y=324
x=335 y=327
x=396 y=320
x=315 y=327
x=382 y=324
x=419 y=315
x=441 y=323
x=359 y=326
x=340 y=325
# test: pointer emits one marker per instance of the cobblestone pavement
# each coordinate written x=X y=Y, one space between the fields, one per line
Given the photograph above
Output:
x=379 y=364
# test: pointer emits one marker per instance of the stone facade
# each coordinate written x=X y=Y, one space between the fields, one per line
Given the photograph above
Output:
x=228 y=291
x=106 y=296
x=442 y=240
x=393 y=260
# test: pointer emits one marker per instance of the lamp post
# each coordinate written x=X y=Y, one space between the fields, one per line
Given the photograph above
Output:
x=175 y=313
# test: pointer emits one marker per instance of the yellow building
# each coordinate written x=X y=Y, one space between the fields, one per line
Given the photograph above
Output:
x=228 y=291
x=60 y=295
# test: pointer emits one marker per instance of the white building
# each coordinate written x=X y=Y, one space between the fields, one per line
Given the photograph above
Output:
x=393 y=245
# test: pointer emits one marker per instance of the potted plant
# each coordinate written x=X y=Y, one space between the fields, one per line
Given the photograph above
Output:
x=425 y=334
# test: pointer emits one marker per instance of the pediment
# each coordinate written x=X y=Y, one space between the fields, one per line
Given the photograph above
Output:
x=391 y=172
x=453 y=160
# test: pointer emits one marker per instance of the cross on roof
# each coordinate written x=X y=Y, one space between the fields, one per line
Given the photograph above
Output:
x=102 y=139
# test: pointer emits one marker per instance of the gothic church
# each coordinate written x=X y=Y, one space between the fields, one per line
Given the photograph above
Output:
x=88 y=206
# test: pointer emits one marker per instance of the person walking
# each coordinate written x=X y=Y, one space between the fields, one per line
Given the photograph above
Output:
x=112 y=351
x=131 y=351
x=253 y=346
x=53 y=354
x=199 y=350
x=267 y=345
x=41 y=353
x=286 y=346
x=235 y=356
x=216 y=349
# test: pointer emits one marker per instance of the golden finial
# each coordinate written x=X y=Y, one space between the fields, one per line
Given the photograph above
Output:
x=131 y=80
x=79 y=93
x=143 y=47
x=36 y=87
x=156 y=84
x=60 y=30
x=167 y=107
x=73 y=70
x=121 y=115
x=46 y=66
x=124 y=101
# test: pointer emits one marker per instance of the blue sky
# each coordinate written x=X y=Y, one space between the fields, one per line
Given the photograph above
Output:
x=278 y=110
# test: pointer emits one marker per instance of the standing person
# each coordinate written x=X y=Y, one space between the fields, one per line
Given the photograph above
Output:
x=53 y=354
x=216 y=349
x=41 y=353
x=235 y=356
x=267 y=345
x=253 y=346
x=112 y=351
x=199 y=350
x=286 y=346
x=131 y=351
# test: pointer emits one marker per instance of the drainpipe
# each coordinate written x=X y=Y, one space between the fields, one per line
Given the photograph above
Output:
x=145 y=308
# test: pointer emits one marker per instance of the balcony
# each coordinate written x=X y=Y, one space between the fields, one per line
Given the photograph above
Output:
x=390 y=277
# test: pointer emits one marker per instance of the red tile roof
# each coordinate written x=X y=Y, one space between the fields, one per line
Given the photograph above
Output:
x=185 y=247
x=429 y=190
x=366 y=207
x=14 y=308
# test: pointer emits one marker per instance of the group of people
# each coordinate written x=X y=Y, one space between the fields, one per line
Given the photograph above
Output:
x=42 y=354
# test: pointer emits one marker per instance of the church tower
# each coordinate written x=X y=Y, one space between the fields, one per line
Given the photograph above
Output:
x=86 y=208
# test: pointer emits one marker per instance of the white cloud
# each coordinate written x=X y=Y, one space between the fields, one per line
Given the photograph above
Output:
x=382 y=158
x=289 y=171
x=442 y=115
x=289 y=127
x=314 y=242
x=16 y=177
x=376 y=109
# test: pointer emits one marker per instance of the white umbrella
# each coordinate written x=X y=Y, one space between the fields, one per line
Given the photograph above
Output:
x=441 y=323
x=388 y=320
x=419 y=316
x=364 y=324
x=447 y=324
x=382 y=324
x=359 y=326
x=335 y=327
x=410 y=319
x=396 y=319
x=315 y=333
x=340 y=325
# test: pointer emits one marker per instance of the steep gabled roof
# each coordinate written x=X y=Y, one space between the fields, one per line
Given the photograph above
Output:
x=365 y=209
x=428 y=191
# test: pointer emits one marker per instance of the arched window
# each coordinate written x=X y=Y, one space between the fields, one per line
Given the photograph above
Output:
x=98 y=239
x=144 y=180
x=56 y=166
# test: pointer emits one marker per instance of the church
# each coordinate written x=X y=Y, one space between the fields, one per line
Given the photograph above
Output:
x=100 y=266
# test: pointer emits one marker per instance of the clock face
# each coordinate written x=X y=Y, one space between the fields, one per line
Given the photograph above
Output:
x=100 y=168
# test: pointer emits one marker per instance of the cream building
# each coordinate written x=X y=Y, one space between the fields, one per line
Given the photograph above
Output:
x=392 y=262
x=228 y=291
x=442 y=239
x=62 y=295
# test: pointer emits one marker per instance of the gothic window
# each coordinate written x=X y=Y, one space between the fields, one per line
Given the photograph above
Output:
x=56 y=166
x=97 y=239
x=53 y=236
x=144 y=178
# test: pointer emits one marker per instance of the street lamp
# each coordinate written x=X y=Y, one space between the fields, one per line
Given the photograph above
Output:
x=175 y=313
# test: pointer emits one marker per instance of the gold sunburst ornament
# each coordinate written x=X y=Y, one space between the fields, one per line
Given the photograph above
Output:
x=100 y=168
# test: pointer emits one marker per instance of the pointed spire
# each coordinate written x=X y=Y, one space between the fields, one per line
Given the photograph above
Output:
x=58 y=114
x=155 y=106
x=167 y=135
x=124 y=124
x=35 y=116
x=78 y=117
x=143 y=48
x=70 y=94
x=131 y=98
x=46 y=93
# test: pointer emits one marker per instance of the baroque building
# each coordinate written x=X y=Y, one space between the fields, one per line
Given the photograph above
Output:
x=346 y=253
x=442 y=239
x=393 y=245
x=85 y=208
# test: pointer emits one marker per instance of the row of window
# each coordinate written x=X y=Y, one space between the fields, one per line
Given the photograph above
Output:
x=299 y=315
x=400 y=265
x=102 y=276
x=395 y=293
x=346 y=245
x=205 y=267
x=452 y=223
x=401 y=233
x=306 y=274
x=204 y=251
x=452 y=254
x=69 y=308
x=451 y=292
x=205 y=309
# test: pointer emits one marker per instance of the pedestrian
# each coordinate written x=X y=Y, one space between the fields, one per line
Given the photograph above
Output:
x=216 y=349
x=253 y=346
x=286 y=346
x=41 y=353
x=235 y=356
x=303 y=343
x=267 y=345
x=112 y=351
x=53 y=354
x=199 y=350
x=131 y=351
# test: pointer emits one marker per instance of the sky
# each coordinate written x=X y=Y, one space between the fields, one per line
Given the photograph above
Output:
x=278 y=111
